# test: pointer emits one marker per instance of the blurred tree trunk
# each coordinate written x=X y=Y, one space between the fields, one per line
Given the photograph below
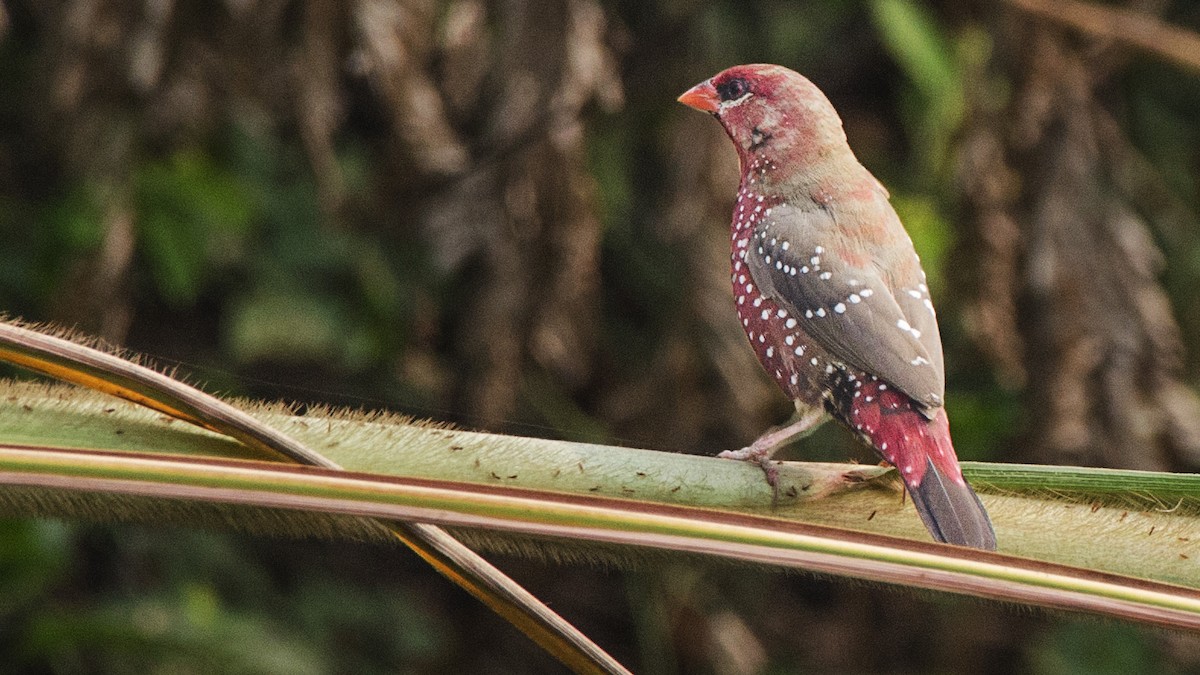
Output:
x=482 y=106
x=1067 y=297
x=519 y=226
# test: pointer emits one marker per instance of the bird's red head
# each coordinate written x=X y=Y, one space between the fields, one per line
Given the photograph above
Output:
x=770 y=111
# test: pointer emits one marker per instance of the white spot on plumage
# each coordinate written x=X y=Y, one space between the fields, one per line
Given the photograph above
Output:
x=866 y=292
x=786 y=244
x=758 y=301
x=790 y=340
x=813 y=360
x=903 y=325
x=799 y=351
x=819 y=250
x=854 y=298
x=808 y=314
x=766 y=314
x=826 y=276
x=790 y=323
x=840 y=308
x=815 y=260
x=820 y=311
x=770 y=352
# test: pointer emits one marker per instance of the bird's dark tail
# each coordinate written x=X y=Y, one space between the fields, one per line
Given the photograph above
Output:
x=921 y=450
x=951 y=510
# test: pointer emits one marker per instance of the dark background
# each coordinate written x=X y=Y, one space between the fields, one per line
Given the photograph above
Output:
x=495 y=214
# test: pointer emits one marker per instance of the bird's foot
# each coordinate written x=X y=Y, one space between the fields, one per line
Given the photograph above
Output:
x=760 y=451
x=760 y=455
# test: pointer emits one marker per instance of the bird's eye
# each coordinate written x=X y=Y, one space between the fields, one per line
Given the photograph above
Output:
x=732 y=90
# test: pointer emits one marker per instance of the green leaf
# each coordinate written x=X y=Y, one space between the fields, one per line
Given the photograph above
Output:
x=287 y=499
x=1116 y=543
x=930 y=63
x=73 y=362
x=190 y=215
x=917 y=44
x=303 y=326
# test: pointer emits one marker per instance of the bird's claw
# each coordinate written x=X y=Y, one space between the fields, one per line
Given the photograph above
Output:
x=761 y=457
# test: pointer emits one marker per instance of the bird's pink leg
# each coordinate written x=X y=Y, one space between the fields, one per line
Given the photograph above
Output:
x=765 y=446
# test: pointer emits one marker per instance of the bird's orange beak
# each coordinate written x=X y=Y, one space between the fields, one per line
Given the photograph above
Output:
x=702 y=97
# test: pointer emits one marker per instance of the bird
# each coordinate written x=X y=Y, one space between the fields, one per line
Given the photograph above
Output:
x=831 y=293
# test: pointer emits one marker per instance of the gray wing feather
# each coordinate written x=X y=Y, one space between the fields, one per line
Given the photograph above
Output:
x=849 y=311
x=912 y=295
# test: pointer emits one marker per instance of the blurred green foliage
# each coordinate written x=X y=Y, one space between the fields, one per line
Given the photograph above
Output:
x=187 y=601
x=193 y=218
x=1080 y=647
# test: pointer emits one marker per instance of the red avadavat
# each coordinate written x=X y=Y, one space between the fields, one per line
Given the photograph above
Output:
x=832 y=294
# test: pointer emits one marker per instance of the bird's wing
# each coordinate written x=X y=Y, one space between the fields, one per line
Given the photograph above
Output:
x=847 y=309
